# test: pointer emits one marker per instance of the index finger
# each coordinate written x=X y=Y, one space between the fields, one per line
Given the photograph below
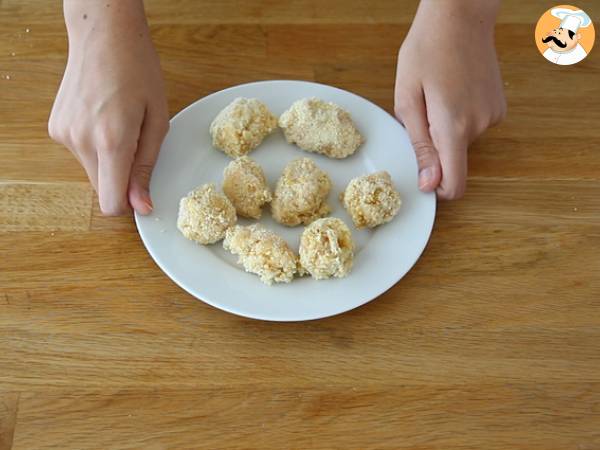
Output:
x=114 y=166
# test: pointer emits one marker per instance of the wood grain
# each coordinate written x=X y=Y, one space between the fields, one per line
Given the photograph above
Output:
x=492 y=341
x=8 y=416
x=272 y=11
x=28 y=206
x=416 y=418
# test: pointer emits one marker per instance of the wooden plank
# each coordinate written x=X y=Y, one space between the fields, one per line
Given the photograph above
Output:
x=540 y=216
x=120 y=322
x=33 y=13
x=8 y=416
x=492 y=416
x=305 y=357
x=139 y=336
x=26 y=206
x=38 y=159
x=100 y=222
x=199 y=60
x=534 y=156
x=490 y=341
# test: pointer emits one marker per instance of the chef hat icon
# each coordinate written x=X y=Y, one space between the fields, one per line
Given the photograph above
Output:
x=571 y=19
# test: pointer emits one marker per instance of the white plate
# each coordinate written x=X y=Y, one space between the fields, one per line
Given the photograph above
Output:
x=383 y=256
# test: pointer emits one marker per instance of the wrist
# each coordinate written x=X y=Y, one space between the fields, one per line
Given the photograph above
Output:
x=116 y=20
x=479 y=15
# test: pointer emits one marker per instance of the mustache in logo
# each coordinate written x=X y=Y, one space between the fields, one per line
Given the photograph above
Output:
x=555 y=40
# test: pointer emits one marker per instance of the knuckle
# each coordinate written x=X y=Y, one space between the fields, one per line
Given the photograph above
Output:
x=453 y=127
x=502 y=112
x=480 y=126
x=461 y=127
x=503 y=105
x=77 y=139
x=399 y=109
x=404 y=104
x=112 y=211
x=449 y=195
x=424 y=151
x=453 y=191
x=164 y=126
x=107 y=140
x=56 y=132
x=113 y=148
x=113 y=208
x=437 y=133
x=142 y=172
x=105 y=144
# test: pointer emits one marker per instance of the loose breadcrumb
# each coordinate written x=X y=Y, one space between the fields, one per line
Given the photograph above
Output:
x=205 y=215
x=322 y=127
x=327 y=249
x=245 y=185
x=301 y=193
x=371 y=200
x=262 y=252
x=242 y=126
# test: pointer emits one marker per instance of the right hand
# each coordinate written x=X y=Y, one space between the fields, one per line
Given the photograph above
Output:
x=448 y=88
x=111 y=110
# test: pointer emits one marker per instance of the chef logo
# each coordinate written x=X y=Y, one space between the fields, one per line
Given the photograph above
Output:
x=564 y=35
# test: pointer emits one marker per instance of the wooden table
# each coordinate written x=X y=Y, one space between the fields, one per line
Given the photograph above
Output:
x=492 y=341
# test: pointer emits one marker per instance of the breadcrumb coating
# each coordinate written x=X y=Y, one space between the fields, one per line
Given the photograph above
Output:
x=242 y=126
x=245 y=185
x=205 y=215
x=322 y=127
x=327 y=249
x=301 y=193
x=262 y=252
x=371 y=200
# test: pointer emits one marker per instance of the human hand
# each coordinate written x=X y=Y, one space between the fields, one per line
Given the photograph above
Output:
x=111 y=109
x=448 y=88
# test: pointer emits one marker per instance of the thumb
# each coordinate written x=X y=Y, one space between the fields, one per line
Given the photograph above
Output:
x=410 y=110
x=153 y=132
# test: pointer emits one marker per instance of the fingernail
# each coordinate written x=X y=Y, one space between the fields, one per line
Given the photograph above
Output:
x=425 y=177
x=144 y=209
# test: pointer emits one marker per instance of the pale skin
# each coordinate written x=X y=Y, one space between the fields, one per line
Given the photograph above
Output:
x=111 y=109
x=448 y=88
